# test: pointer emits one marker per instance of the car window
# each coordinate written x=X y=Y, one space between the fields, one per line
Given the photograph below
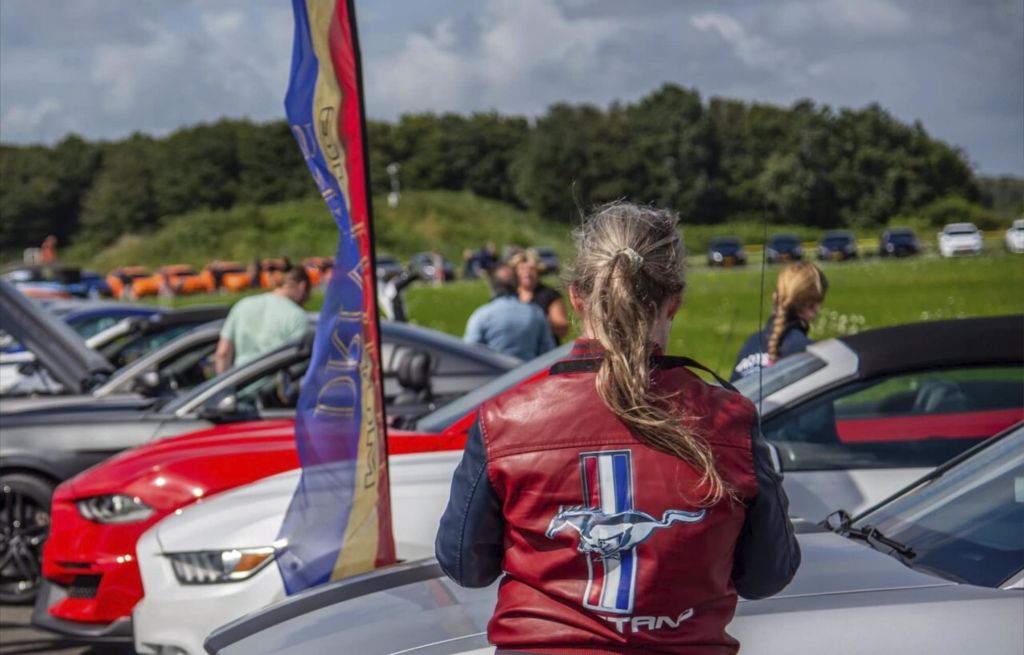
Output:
x=276 y=388
x=967 y=523
x=188 y=369
x=93 y=325
x=916 y=419
x=128 y=348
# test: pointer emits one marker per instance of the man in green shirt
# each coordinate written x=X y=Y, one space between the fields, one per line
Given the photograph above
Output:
x=258 y=324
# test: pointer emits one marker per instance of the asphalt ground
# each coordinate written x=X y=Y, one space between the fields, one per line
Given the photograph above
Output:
x=18 y=637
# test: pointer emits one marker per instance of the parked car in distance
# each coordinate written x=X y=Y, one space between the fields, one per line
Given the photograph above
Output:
x=230 y=276
x=783 y=248
x=549 y=261
x=960 y=239
x=937 y=568
x=318 y=269
x=131 y=282
x=837 y=245
x=1015 y=236
x=898 y=242
x=388 y=267
x=271 y=270
x=180 y=279
x=54 y=281
x=423 y=264
x=726 y=251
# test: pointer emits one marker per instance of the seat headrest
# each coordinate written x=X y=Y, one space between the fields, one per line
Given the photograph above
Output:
x=414 y=370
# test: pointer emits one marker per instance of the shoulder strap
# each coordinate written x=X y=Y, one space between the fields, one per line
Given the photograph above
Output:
x=657 y=361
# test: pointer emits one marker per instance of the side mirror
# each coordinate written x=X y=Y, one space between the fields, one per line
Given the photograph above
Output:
x=219 y=408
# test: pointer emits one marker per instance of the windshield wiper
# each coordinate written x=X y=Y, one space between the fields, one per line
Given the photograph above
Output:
x=840 y=522
x=872 y=536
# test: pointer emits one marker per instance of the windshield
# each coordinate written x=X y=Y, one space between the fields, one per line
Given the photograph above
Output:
x=725 y=243
x=968 y=523
x=442 y=418
x=781 y=374
x=961 y=229
x=901 y=237
x=837 y=240
x=784 y=242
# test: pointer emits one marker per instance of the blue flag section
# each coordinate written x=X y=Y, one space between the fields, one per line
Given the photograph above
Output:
x=339 y=520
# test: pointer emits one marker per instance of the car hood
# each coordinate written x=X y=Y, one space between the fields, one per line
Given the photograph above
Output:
x=436 y=610
x=198 y=462
x=56 y=346
x=245 y=517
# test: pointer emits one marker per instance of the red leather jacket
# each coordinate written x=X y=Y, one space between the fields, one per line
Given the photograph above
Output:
x=603 y=545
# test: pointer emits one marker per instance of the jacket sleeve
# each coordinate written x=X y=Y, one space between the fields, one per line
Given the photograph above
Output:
x=474 y=329
x=469 y=545
x=767 y=553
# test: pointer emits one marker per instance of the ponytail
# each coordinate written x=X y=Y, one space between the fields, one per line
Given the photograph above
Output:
x=630 y=262
x=778 y=329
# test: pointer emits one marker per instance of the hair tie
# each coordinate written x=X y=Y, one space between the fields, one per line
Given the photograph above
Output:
x=636 y=260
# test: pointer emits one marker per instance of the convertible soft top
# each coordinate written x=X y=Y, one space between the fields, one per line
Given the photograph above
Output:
x=939 y=344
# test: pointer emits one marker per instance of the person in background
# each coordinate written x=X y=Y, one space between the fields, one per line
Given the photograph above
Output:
x=527 y=265
x=799 y=291
x=48 y=251
x=625 y=501
x=258 y=324
x=507 y=325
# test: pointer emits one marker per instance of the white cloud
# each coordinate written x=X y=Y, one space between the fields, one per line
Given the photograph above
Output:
x=843 y=19
x=515 y=45
x=751 y=49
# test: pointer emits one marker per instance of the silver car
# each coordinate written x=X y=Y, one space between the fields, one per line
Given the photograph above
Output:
x=937 y=569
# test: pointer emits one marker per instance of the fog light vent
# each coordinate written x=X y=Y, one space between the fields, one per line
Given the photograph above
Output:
x=84 y=586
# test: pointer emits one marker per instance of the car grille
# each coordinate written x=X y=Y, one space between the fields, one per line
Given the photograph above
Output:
x=84 y=586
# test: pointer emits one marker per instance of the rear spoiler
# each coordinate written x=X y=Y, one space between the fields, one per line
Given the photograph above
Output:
x=56 y=346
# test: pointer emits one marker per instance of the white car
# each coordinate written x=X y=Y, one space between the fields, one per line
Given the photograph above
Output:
x=188 y=590
x=960 y=239
x=1015 y=236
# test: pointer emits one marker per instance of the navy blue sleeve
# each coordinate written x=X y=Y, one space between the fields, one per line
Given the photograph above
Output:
x=470 y=539
x=767 y=553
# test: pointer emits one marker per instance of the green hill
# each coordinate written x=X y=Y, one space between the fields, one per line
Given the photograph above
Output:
x=448 y=221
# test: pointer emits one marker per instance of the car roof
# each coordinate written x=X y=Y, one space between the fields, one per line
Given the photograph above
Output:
x=831 y=234
x=939 y=344
x=959 y=226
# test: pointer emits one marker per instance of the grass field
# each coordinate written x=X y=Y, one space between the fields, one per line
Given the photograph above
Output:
x=721 y=306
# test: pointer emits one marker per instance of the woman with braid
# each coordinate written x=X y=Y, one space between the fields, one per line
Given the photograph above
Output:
x=623 y=501
x=799 y=292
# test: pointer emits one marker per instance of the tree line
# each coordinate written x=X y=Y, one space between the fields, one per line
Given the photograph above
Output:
x=711 y=161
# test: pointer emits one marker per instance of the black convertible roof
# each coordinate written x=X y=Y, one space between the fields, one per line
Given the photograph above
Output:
x=939 y=344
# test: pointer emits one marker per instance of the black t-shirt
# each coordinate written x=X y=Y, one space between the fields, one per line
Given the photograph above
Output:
x=543 y=296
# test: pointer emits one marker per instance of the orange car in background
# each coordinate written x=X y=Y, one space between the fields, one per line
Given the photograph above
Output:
x=230 y=276
x=318 y=269
x=180 y=280
x=130 y=282
x=271 y=271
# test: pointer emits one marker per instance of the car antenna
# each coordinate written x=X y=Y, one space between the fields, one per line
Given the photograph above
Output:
x=760 y=313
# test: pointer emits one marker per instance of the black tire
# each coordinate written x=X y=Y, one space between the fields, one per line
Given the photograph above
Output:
x=24 y=526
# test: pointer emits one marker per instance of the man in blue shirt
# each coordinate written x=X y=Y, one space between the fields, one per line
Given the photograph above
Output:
x=507 y=325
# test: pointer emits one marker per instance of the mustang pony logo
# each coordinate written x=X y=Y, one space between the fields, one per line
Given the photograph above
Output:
x=610 y=528
x=607 y=535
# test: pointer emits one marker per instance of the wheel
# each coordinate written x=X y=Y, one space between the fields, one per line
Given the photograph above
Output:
x=24 y=526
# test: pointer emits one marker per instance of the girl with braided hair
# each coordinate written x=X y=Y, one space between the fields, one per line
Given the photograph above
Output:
x=799 y=291
x=624 y=501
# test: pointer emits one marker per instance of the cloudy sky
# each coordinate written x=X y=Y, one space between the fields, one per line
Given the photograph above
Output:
x=106 y=68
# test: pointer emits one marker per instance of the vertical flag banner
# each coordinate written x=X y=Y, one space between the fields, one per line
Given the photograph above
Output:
x=339 y=520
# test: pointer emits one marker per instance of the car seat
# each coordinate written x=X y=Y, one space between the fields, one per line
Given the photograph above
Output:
x=414 y=377
x=939 y=397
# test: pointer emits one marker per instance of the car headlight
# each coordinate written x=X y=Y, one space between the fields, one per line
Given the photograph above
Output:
x=114 y=508
x=217 y=566
x=716 y=256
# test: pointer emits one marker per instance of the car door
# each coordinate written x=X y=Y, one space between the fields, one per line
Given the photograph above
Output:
x=856 y=445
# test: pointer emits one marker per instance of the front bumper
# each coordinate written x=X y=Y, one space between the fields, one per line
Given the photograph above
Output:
x=50 y=594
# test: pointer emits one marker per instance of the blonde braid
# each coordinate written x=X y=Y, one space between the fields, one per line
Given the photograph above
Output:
x=778 y=327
